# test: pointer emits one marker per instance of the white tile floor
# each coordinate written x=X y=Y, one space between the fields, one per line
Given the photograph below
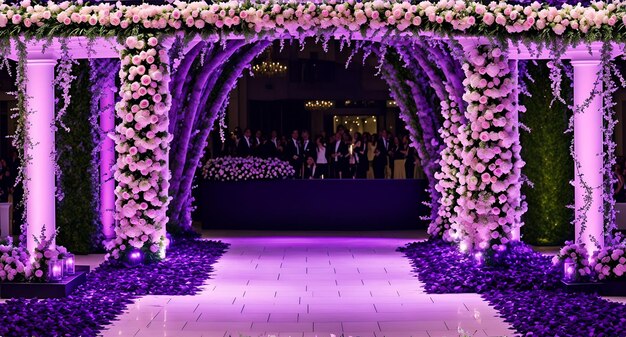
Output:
x=312 y=286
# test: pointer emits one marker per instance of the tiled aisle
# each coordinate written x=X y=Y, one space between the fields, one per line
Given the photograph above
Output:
x=311 y=286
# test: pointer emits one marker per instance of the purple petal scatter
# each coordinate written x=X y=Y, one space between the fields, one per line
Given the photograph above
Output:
x=108 y=290
x=523 y=285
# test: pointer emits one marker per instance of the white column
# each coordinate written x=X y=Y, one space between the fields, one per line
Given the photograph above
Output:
x=513 y=65
x=107 y=159
x=589 y=212
x=40 y=169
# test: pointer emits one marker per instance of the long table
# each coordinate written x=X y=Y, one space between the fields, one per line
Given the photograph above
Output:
x=329 y=204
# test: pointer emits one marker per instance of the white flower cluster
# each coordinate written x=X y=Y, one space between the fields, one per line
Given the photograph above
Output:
x=609 y=262
x=14 y=264
x=576 y=253
x=341 y=18
x=142 y=144
x=251 y=168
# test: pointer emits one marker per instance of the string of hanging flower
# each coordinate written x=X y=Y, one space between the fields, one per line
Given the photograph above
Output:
x=597 y=21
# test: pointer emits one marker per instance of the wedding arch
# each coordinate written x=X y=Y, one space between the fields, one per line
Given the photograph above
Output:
x=476 y=166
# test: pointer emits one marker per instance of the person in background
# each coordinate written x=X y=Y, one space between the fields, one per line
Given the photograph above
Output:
x=339 y=156
x=258 y=150
x=293 y=153
x=308 y=148
x=273 y=149
x=238 y=134
x=360 y=154
x=399 y=158
x=411 y=158
x=244 y=148
x=381 y=155
x=350 y=166
x=311 y=171
x=371 y=141
x=321 y=160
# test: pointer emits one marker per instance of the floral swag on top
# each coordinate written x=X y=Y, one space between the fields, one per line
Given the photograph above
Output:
x=489 y=206
x=142 y=143
x=597 y=21
x=241 y=169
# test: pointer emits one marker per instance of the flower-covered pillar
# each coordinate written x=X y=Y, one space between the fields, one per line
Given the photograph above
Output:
x=107 y=157
x=490 y=202
x=142 y=144
x=588 y=148
x=39 y=149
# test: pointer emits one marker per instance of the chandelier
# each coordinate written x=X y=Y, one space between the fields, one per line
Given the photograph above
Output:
x=318 y=105
x=268 y=67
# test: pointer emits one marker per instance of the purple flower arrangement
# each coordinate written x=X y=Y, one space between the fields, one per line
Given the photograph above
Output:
x=108 y=290
x=242 y=169
x=16 y=265
x=523 y=285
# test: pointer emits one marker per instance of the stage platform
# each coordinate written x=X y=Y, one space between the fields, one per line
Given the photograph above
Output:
x=329 y=204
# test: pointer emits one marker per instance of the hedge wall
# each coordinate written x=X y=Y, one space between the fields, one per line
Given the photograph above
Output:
x=77 y=214
x=549 y=165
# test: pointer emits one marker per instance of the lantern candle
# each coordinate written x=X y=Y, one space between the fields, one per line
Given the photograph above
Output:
x=569 y=271
x=55 y=270
x=70 y=264
x=479 y=258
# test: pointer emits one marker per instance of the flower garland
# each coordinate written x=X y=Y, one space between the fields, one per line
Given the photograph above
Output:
x=489 y=203
x=597 y=21
x=242 y=169
x=447 y=179
x=142 y=143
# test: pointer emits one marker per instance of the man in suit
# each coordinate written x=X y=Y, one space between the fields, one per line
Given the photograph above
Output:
x=311 y=171
x=308 y=146
x=293 y=153
x=272 y=147
x=257 y=145
x=381 y=155
x=339 y=157
x=244 y=148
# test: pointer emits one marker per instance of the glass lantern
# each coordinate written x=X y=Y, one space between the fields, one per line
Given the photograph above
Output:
x=569 y=271
x=70 y=264
x=55 y=270
x=134 y=258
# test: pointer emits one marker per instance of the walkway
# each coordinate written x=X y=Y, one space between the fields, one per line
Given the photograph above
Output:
x=306 y=285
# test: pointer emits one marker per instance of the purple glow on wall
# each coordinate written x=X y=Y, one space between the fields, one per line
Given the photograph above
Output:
x=107 y=158
x=588 y=126
x=40 y=163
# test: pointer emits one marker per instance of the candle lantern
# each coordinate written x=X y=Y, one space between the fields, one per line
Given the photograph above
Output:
x=479 y=258
x=569 y=271
x=70 y=264
x=55 y=270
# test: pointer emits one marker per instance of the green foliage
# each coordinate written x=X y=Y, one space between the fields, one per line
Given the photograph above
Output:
x=549 y=165
x=77 y=218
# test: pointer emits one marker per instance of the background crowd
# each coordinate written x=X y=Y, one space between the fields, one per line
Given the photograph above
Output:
x=338 y=156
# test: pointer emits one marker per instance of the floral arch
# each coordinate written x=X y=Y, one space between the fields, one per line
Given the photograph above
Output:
x=476 y=165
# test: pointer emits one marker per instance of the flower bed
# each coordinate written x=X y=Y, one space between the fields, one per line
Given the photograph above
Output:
x=242 y=169
x=108 y=290
x=523 y=286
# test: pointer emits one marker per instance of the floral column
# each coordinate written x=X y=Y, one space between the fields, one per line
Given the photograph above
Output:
x=39 y=151
x=142 y=144
x=490 y=202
